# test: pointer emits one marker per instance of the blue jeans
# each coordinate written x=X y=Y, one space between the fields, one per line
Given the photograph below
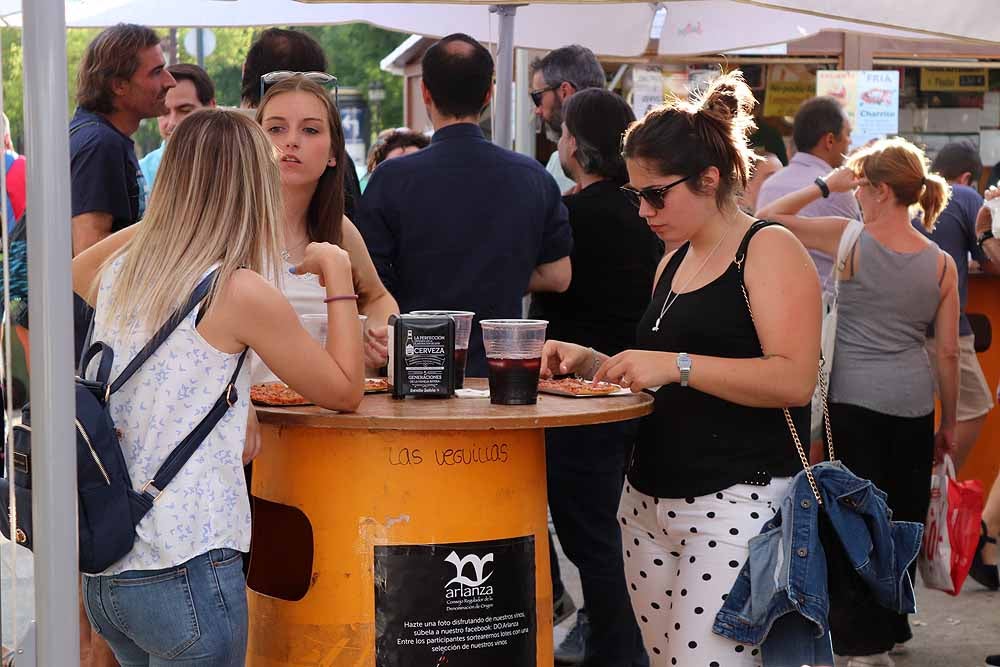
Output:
x=193 y=615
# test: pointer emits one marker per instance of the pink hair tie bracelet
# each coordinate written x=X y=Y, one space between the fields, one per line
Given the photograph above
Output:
x=346 y=297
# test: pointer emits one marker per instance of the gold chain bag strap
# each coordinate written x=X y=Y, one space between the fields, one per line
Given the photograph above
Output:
x=740 y=261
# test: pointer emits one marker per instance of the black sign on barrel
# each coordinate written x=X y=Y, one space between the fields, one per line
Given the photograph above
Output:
x=469 y=604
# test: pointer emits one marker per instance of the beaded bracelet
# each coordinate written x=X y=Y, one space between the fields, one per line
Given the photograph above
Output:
x=345 y=297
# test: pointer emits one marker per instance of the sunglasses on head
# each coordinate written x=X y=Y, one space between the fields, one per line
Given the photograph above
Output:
x=322 y=78
x=653 y=195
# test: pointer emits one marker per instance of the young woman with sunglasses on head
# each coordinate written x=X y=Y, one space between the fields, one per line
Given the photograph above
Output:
x=303 y=124
x=179 y=597
x=713 y=461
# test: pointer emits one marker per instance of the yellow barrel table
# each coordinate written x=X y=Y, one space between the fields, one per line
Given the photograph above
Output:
x=408 y=534
x=984 y=303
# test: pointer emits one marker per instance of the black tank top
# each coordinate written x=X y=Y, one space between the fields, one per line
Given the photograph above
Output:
x=694 y=444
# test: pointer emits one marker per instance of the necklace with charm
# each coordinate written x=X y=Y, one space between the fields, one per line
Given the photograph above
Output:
x=672 y=295
x=286 y=253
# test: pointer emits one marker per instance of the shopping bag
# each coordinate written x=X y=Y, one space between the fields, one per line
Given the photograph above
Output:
x=951 y=534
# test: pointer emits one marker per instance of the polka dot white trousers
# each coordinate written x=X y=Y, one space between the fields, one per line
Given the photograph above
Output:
x=682 y=556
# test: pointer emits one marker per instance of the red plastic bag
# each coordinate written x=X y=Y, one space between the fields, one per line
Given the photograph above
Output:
x=951 y=533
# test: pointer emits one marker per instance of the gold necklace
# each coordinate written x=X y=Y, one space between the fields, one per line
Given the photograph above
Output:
x=672 y=295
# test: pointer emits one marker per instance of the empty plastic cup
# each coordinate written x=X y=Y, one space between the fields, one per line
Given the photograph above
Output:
x=316 y=326
x=514 y=356
x=463 y=329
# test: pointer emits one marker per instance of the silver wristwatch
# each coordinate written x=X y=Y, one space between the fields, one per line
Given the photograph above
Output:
x=684 y=366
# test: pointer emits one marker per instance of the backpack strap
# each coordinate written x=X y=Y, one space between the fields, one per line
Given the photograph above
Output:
x=199 y=294
x=189 y=445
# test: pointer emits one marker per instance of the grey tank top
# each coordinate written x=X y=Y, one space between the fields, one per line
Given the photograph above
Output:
x=879 y=361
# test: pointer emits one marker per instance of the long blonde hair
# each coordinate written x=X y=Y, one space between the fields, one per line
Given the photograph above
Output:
x=905 y=169
x=216 y=200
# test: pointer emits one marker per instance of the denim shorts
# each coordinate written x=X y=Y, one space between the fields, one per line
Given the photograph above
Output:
x=194 y=614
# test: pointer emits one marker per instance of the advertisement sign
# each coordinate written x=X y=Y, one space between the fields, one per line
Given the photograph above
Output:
x=788 y=86
x=783 y=98
x=469 y=604
x=647 y=89
x=870 y=99
x=954 y=80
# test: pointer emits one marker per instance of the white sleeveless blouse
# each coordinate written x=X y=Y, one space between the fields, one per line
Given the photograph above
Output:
x=206 y=505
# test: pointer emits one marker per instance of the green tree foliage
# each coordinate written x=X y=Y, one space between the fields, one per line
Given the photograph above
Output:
x=353 y=51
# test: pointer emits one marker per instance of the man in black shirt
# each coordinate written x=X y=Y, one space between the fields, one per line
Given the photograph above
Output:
x=122 y=79
x=614 y=261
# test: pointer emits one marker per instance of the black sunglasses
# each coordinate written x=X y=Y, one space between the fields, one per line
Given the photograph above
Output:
x=536 y=95
x=653 y=195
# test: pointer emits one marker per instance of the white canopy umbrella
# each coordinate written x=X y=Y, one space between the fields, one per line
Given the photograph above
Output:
x=977 y=20
x=689 y=27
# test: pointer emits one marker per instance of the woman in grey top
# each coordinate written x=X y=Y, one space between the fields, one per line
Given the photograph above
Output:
x=893 y=284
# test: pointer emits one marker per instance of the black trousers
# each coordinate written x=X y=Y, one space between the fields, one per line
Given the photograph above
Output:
x=897 y=455
x=586 y=472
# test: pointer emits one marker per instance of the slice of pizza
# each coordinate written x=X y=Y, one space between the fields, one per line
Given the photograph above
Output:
x=578 y=387
x=375 y=385
x=276 y=393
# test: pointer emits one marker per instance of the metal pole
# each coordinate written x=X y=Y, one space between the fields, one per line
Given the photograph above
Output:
x=525 y=129
x=503 y=106
x=172 y=47
x=51 y=313
x=199 y=35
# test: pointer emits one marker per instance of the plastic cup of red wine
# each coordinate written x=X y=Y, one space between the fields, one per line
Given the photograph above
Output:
x=463 y=330
x=514 y=358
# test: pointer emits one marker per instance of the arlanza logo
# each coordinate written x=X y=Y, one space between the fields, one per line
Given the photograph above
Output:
x=478 y=565
x=469 y=587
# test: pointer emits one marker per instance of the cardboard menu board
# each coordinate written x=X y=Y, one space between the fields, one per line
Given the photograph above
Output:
x=871 y=100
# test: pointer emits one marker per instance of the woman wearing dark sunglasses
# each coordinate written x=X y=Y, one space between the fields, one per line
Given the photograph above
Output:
x=713 y=460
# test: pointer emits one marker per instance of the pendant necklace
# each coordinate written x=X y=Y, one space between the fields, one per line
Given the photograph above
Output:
x=286 y=253
x=672 y=295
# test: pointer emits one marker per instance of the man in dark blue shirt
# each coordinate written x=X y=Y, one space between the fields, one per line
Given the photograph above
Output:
x=464 y=224
x=122 y=79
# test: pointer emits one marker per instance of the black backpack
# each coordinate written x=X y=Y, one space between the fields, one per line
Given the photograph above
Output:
x=109 y=507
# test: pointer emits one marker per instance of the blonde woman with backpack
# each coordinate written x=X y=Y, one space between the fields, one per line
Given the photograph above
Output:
x=178 y=598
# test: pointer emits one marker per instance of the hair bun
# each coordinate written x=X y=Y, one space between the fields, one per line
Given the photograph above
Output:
x=721 y=102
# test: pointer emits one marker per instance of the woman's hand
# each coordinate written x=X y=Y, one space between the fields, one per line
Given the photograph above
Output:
x=944 y=443
x=842 y=179
x=639 y=369
x=559 y=358
x=253 y=444
x=984 y=220
x=377 y=347
x=330 y=262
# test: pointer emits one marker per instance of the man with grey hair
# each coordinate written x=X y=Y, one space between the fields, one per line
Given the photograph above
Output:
x=553 y=79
